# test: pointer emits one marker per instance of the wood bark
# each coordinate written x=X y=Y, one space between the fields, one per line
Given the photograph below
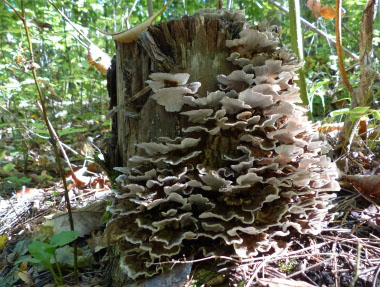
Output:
x=194 y=45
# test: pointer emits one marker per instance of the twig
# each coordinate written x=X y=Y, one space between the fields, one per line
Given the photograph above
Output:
x=352 y=134
x=150 y=8
x=350 y=32
x=197 y=260
x=338 y=34
x=310 y=267
x=139 y=94
x=132 y=9
x=375 y=276
x=335 y=265
x=70 y=22
x=254 y=275
x=356 y=275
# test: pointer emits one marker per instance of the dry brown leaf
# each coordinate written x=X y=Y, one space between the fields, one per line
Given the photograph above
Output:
x=363 y=129
x=328 y=12
x=315 y=7
x=367 y=184
x=86 y=219
x=96 y=242
x=96 y=57
x=281 y=282
x=23 y=266
x=79 y=179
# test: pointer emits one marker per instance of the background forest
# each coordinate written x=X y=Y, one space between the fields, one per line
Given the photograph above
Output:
x=77 y=102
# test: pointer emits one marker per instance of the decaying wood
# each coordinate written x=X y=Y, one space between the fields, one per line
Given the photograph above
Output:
x=195 y=45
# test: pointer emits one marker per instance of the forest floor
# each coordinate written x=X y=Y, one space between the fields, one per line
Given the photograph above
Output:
x=346 y=253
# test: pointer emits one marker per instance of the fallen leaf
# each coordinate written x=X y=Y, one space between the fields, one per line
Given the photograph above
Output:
x=79 y=179
x=23 y=266
x=281 y=282
x=65 y=257
x=93 y=167
x=26 y=277
x=372 y=216
x=86 y=219
x=96 y=242
x=315 y=7
x=367 y=184
x=3 y=240
x=326 y=129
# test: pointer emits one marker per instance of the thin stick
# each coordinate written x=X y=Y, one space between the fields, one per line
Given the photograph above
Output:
x=338 y=45
x=132 y=9
x=376 y=275
x=309 y=268
x=150 y=8
x=53 y=135
x=70 y=22
x=357 y=266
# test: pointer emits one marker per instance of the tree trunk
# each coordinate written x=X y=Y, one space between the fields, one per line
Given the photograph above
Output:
x=195 y=45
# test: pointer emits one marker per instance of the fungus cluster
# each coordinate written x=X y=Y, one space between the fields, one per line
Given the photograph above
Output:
x=248 y=170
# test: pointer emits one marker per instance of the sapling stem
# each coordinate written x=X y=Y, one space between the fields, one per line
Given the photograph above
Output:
x=53 y=135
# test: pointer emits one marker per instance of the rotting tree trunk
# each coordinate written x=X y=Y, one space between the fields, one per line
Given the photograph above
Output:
x=195 y=45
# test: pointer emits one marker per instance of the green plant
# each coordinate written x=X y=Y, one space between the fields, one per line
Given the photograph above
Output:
x=357 y=113
x=288 y=266
x=43 y=252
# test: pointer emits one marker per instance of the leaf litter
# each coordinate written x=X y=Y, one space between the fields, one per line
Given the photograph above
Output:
x=347 y=253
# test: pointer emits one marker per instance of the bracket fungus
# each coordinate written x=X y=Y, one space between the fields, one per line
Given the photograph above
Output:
x=248 y=170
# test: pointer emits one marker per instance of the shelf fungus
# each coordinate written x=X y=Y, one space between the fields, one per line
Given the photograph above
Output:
x=249 y=169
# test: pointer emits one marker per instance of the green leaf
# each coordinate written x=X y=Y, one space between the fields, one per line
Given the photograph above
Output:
x=8 y=167
x=64 y=238
x=71 y=131
x=38 y=250
x=28 y=259
x=376 y=115
x=339 y=112
x=359 y=110
x=23 y=180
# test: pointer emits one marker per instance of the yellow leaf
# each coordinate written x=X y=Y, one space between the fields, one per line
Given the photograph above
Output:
x=3 y=240
x=26 y=277
x=23 y=266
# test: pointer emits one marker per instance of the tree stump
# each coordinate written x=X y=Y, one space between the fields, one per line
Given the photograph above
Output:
x=229 y=171
x=195 y=45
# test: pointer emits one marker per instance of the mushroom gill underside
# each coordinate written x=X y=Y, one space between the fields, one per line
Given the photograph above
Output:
x=249 y=169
